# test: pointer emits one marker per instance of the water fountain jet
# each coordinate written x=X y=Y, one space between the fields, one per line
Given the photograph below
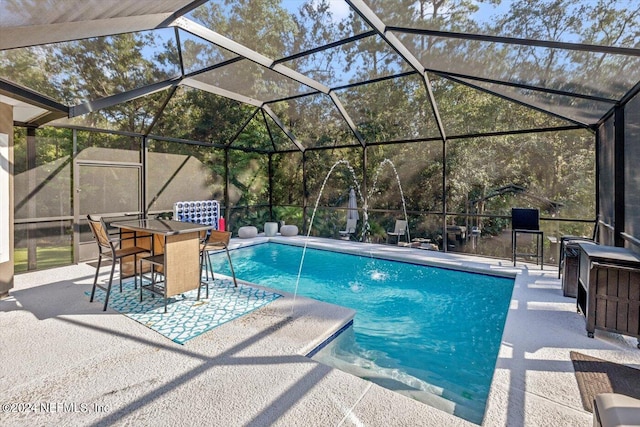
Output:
x=365 y=214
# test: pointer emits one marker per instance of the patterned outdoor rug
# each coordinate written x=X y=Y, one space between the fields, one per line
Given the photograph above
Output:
x=186 y=318
x=597 y=376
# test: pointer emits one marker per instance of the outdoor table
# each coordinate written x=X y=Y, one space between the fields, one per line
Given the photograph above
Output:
x=270 y=229
x=180 y=244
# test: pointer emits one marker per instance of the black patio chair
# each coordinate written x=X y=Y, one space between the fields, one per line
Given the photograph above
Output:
x=527 y=221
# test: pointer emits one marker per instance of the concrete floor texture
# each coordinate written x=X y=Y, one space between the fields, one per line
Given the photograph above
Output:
x=63 y=361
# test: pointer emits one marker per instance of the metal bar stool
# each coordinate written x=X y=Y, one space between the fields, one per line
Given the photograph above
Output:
x=214 y=241
x=107 y=249
x=527 y=221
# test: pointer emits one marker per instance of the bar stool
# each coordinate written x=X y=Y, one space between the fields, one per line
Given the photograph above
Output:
x=527 y=221
x=156 y=266
x=214 y=241
x=107 y=249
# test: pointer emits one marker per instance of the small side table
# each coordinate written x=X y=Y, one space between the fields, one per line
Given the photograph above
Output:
x=270 y=229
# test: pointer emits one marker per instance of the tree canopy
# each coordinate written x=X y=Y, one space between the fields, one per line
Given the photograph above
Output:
x=464 y=96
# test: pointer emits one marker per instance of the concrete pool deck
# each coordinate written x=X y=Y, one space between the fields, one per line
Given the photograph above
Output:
x=66 y=362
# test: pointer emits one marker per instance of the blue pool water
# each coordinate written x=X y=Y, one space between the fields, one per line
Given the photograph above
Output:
x=430 y=333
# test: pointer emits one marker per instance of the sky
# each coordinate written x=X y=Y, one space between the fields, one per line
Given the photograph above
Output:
x=339 y=8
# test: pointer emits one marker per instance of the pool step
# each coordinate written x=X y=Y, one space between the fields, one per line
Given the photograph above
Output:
x=391 y=379
x=424 y=396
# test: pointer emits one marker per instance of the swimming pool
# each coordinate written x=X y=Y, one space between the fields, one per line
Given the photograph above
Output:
x=430 y=333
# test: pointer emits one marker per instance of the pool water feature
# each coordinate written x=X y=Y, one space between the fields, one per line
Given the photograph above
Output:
x=430 y=333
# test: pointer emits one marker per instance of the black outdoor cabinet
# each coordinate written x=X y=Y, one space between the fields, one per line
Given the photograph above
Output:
x=609 y=289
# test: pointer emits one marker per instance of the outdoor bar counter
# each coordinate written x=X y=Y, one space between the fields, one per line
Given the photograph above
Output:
x=609 y=289
x=180 y=244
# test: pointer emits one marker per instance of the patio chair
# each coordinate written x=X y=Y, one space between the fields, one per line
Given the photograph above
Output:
x=349 y=229
x=399 y=231
x=527 y=221
x=112 y=249
x=214 y=241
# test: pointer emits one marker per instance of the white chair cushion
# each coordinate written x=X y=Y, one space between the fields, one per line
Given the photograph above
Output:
x=612 y=409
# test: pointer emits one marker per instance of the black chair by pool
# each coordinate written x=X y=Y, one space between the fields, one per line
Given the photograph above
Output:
x=527 y=221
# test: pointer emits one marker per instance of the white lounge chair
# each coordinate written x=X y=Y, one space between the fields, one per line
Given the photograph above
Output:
x=350 y=229
x=399 y=231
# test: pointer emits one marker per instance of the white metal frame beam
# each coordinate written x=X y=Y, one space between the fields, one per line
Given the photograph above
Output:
x=197 y=84
x=120 y=98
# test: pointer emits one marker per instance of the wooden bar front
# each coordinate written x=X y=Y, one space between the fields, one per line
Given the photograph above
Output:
x=182 y=260
x=609 y=289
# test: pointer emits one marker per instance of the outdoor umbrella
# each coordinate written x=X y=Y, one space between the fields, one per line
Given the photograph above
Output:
x=352 y=213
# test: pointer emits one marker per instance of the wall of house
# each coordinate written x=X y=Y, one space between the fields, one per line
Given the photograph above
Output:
x=6 y=199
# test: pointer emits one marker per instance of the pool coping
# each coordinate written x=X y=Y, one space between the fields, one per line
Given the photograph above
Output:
x=408 y=254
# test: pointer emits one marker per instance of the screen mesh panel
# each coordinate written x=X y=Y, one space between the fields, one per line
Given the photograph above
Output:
x=197 y=115
x=280 y=29
x=315 y=121
x=95 y=68
x=631 y=162
x=43 y=188
x=198 y=53
x=606 y=185
x=514 y=18
x=388 y=110
x=484 y=112
x=254 y=81
x=287 y=179
x=580 y=110
x=180 y=172
x=359 y=61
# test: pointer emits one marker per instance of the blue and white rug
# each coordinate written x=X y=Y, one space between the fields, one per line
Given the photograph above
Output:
x=186 y=317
